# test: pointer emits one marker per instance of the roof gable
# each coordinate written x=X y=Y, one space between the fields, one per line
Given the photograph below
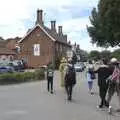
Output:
x=42 y=28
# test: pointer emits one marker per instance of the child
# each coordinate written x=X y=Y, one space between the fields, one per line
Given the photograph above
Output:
x=90 y=76
x=50 y=75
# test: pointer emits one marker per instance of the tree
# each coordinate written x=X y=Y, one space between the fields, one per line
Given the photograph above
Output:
x=105 y=21
x=105 y=54
x=94 y=55
x=74 y=58
x=82 y=55
x=116 y=54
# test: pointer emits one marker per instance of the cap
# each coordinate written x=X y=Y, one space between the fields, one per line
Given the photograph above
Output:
x=113 y=60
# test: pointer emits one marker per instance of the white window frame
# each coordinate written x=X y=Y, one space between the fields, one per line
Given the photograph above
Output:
x=36 y=49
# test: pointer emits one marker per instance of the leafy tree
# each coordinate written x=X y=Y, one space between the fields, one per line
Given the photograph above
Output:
x=105 y=54
x=94 y=55
x=82 y=55
x=116 y=54
x=105 y=23
x=74 y=58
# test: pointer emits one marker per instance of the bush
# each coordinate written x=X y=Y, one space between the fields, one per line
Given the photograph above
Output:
x=39 y=74
x=12 y=78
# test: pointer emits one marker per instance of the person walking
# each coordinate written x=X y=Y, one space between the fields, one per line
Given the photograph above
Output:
x=114 y=82
x=50 y=75
x=70 y=80
x=90 y=76
x=103 y=73
x=62 y=69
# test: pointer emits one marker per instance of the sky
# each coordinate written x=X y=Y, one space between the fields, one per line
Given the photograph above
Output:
x=17 y=16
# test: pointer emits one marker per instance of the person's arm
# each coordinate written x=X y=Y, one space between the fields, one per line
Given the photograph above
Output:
x=96 y=71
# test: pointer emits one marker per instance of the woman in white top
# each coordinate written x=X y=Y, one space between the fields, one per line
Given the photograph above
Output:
x=90 y=76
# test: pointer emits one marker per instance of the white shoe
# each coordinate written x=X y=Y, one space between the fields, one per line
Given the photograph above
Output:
x=110 y=109
x=98 y=107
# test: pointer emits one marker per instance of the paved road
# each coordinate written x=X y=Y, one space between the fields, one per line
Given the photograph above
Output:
x=31 y=101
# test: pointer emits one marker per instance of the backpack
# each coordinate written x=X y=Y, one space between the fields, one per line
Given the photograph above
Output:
x=91 y=72
x=92 y=76
x=50 y=73
x=70 y=75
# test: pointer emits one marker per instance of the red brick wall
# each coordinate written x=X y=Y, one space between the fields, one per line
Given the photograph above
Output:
x=37 y=36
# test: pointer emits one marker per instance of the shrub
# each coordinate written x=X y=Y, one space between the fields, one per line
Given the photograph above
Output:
x=11 y=78
x=39 y=74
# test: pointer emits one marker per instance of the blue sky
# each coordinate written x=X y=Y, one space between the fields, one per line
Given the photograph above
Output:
x=17 y=16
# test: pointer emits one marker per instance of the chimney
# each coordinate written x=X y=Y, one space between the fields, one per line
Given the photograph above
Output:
x=69 y=42
x=39 y=17
x=60 y=30
x=75 y=44
x=65 y=38
x=53 y=26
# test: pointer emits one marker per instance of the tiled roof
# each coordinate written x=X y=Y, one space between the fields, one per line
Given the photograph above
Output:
x=5 y=51
x=3 y=43
x=41 y=27
x=55 y=35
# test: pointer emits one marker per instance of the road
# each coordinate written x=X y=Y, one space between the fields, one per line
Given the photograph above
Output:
x=31 y=101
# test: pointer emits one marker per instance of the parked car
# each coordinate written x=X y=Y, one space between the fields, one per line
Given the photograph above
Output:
x=79 y=67
x=17 y=65
x=6 y=69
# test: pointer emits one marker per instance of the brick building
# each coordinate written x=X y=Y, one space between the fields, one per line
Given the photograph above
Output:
x=41 y=44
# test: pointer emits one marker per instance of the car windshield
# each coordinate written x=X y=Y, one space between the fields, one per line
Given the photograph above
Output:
x=3 y=64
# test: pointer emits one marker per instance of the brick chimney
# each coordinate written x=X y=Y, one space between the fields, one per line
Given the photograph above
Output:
x=39 y=17
x=60 y=30
x=65 y=38
x=53 y=26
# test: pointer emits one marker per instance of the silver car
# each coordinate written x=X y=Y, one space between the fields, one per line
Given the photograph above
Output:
x=79 y=67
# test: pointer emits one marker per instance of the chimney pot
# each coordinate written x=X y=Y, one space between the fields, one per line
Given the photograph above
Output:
x=39 y=17
x=53 y=26
x=65 y=38
x=60 y=30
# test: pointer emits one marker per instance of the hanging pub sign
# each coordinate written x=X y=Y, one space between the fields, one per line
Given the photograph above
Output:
x=36 y=49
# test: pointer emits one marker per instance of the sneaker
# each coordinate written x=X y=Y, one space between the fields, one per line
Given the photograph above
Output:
x=51 y=92
x=100 y=106
x=110 y=109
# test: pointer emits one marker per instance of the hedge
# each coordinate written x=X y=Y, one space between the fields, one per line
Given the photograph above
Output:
x=19 y=77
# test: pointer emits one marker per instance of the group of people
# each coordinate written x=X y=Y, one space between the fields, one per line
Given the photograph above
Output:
x=108 y=79
x=68 y=77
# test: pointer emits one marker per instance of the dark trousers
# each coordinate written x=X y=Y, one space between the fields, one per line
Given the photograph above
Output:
x=69 y=91
x=102 y=94
x=50 y=84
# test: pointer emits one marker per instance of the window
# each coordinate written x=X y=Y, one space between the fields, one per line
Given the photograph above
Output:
x=36 y=49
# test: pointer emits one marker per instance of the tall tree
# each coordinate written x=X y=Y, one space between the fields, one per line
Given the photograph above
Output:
x=94 y=55
x=105 y=54
x=116 y=54
x=105 y=29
